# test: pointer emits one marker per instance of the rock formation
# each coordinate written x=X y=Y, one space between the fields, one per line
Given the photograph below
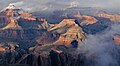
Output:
x=69 y=31
x=12 y=25
x=117 y=39
x=47 y=38
x=112 y=17
x=19 y=24
x=86 y=19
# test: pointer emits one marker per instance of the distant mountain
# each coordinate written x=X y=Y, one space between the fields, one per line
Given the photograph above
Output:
x=112 y=17
x=59 y=15
x=99 y=26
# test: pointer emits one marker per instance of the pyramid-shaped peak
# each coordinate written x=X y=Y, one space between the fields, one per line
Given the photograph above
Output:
x=11 y=7
x=11 y=11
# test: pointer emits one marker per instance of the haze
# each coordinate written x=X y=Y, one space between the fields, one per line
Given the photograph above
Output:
x=42 y=5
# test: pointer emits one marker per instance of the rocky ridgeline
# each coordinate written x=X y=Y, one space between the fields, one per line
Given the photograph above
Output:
x=22 y=25
x=112 y=17
x=87 y=20
x=69 y=31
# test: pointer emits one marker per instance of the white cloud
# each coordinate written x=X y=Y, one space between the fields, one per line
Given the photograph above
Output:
x=103 y=47
x=37 y=5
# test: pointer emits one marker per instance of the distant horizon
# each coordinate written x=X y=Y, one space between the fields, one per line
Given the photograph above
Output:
x=41 y=5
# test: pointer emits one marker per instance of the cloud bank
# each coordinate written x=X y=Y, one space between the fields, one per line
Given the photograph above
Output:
x=42 y=5
x=103 y=47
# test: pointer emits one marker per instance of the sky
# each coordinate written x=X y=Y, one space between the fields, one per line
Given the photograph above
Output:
x=41 y=5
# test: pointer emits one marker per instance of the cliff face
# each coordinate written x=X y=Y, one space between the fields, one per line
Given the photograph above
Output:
x=34 y=23
x=112 y=17
x=12 y=25
x=95 y=27
x=87 y=19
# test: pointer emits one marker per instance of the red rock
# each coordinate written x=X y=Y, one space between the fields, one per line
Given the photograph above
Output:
x=117 y=39
x=2 y=49
x=25 y=14
x=87 y=19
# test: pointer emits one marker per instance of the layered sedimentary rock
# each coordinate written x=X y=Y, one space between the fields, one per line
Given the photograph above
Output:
x=47 y=38
x=87 y=19
x=99 y=26
x=17 y=24
x=112 y=17
x=22 y=27
x=69 y=31
x=34 y=23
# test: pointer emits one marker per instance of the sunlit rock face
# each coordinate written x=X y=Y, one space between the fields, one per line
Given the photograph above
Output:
x=62 y=34
x=92 y=24
x=117 y=39
x=2 y=49
x=87 y=19
x=69 y=31
x=112 y=17
x=34 y=23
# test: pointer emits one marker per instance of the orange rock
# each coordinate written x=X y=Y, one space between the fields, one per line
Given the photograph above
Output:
x=2 y=49
x=60 y=41
x=89 y=19
x=117 y=40
x=63 y=41
x=26 y=14
x=29 y=18
x=112 y=17
x=74 y=32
